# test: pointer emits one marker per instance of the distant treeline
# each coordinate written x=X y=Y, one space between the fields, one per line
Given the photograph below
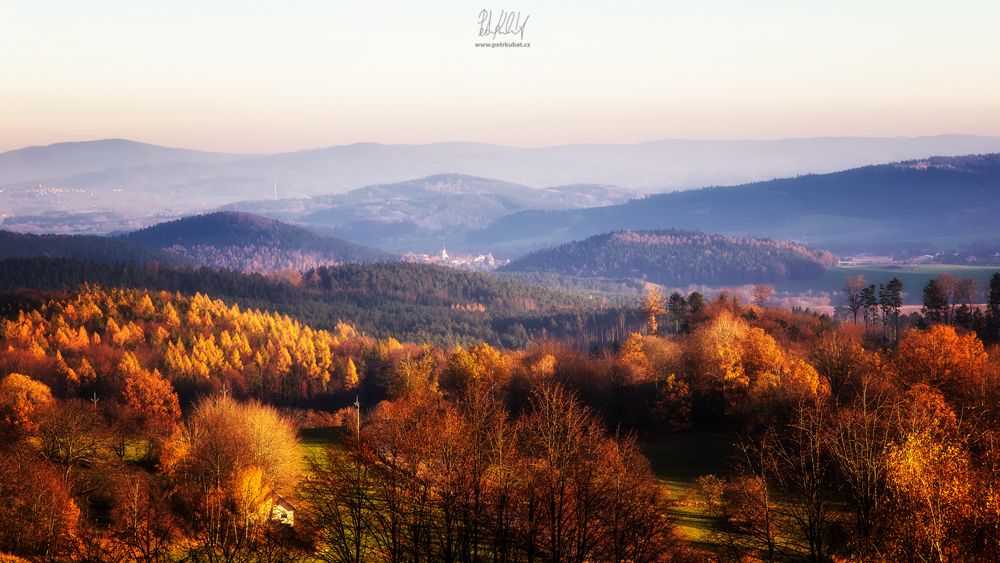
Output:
x=266 y=259
x=416 y=302
x=250 y=242
x=678 y=258
x=86 y=247
x=624 y=291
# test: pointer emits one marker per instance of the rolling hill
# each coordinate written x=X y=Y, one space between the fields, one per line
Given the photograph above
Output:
x=678 y=258
x=17 y=245
x=417 y=213
x=653 y=165
x=247 y=242
x=64 y=160
x=103 y=186
x=943 y=199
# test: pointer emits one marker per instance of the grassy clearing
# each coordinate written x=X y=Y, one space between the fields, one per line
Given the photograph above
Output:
x=678 y=461
x=315 y=439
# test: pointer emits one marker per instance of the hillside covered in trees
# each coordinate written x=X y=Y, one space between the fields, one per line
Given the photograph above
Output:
x=873 y=204
x=140 y=426
x=678 y=258
x=418 y=302
x=623 y=291
x=251 y=243
x=87 y=247
x=173 y=452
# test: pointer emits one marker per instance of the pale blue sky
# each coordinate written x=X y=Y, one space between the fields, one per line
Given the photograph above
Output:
x=262 y=77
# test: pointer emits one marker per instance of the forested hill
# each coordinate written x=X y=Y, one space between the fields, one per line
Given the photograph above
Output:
x=88 y=247
x=892 y=202
x=416 y=302
x=678 y=258
x=247 y=242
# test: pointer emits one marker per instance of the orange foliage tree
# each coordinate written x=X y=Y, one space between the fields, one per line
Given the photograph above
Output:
x=20 y=396
x=942 y=358
x=38 y=516
x=231 y=465
x=929 y=477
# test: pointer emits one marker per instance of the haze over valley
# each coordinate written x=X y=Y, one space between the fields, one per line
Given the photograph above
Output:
x=103 y=186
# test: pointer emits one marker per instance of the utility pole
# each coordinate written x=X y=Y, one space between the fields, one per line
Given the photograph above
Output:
x=357 y=403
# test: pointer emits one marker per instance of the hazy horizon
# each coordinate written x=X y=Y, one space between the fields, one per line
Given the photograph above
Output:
x=259 y=78
x=662 y=165
x=510 y=145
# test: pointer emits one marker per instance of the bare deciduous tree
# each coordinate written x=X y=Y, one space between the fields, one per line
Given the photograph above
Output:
x=761 y=294
x=853 y=287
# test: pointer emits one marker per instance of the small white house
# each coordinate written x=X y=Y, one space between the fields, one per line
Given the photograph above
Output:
x=282 y=512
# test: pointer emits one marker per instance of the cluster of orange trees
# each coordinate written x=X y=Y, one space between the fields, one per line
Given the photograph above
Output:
x=91 y=420
x=136 y=426
x=99 y=463
x=850 y=449
x=463 y=480
x=109 y=342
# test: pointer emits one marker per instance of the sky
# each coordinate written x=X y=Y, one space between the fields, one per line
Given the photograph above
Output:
x=264 y=77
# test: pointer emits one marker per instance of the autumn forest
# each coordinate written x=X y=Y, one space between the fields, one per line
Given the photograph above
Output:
x=149 y=425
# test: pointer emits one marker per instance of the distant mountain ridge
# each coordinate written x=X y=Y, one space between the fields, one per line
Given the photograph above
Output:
x=86 y=247
x=677 y=258
x=63 y=160
x=169 y=183
x=667 y=164
x=247 y=242
x=910 y=200
x=419 y=211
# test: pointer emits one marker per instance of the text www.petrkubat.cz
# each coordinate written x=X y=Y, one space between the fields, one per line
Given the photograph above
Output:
x=494 y=45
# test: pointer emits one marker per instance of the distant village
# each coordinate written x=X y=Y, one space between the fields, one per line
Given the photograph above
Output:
x=478 y=263
x=948 y=257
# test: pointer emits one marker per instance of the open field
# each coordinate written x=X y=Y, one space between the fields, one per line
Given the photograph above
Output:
x=678 y=461
x=315 y=439
x=913 y=277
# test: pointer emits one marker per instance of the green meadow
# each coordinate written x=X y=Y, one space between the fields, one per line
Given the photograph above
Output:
x=678 y=461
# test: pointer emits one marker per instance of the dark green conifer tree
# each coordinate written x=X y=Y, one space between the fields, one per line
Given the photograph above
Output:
x=677 y=306
x=935 y=302
x=993 y=306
